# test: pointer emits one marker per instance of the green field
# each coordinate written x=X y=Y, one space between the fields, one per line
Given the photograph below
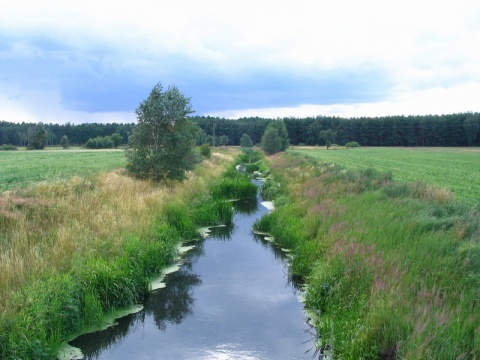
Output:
x=455 y=169
x=21 y=168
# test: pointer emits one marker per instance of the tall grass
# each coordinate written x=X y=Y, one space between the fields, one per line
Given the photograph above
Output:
x=72 y=250
x=392 y=270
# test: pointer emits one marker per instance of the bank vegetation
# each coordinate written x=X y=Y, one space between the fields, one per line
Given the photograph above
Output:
x=392 y=269
x=73 y=250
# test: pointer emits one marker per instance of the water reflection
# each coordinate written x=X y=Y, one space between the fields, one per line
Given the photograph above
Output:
x=171 y=304
x=246 y=207
x=245 y=307
x=222 y=232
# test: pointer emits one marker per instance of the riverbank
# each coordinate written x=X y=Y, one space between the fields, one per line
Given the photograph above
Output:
x=392 y=269
x=74 y=250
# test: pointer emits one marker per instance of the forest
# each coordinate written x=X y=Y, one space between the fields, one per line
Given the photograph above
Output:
x=450 y=130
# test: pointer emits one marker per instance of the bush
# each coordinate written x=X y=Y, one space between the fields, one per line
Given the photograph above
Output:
x=352 y=144
x=100 y=142
x=205 y=150
x=6 y=147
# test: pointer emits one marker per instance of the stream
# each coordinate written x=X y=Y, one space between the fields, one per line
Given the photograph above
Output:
x=231 y=299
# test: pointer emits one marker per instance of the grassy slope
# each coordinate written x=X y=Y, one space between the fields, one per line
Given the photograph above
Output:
x=455 y=169
x=75 y=248
x=22 y=168
x=393 y=270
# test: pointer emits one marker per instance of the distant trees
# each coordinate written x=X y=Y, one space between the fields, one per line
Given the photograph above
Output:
x=64 y=142
x=38 y=138
x=117 y=139
x=275 y=138
x=245 y=141
x=100 y=142
x=328 y=136
x=428 y=130
x=472 y=127
x=161 y=145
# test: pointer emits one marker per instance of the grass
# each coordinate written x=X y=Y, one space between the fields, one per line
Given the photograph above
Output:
x=22 y=168
x=454 y=169
x=392 y=269
x=74 y=248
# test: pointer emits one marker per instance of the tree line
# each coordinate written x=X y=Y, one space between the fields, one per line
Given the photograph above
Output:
x=429 y=130
x=461 y=129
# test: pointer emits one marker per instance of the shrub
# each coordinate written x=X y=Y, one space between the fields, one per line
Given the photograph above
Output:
x=205 y=150
x=352 y=144
x=6 y=147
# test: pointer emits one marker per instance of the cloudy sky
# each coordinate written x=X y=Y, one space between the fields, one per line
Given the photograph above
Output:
x=86 y=61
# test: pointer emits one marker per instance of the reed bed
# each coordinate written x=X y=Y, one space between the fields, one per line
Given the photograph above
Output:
x=74 y=249
x=392 y=269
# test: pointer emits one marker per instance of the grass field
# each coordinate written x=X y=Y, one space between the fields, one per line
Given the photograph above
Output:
x=455 y=169
x=22 y=168
x=392 y=269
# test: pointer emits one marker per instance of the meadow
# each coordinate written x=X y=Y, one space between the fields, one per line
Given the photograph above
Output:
x=21 y=168
x=454 y=169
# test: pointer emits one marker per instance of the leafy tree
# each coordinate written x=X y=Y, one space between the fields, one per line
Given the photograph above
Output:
x=245 y=141
x=38 y=138
x=328 y=136
x=201 y=137
x=64 y=142
x=161 y=145
x=117 y=139
x=275 y=138
x=100 y=142
x=222 y=140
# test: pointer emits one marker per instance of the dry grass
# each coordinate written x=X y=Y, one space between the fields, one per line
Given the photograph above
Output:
x=48 y=226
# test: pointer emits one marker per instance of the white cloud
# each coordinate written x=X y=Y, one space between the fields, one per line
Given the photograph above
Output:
x=418 y=46
x=462 y=98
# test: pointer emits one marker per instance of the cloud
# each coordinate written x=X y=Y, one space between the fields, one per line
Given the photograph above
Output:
x=228 y=56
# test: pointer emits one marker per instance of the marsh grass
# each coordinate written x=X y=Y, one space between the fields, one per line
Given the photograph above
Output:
x=75 y=249
x=392 y=269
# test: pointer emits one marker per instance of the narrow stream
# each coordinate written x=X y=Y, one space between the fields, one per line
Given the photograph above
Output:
x=231 y=299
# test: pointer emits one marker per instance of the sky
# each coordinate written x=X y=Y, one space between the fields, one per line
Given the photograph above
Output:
x=85 y=61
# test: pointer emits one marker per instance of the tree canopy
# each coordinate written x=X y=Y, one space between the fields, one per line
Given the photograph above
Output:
x=161 y=145
x=275 y=138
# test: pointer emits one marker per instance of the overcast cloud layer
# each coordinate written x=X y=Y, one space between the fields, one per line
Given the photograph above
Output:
x=96 y=61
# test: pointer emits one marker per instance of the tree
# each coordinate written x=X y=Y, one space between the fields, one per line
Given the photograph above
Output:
x=328 y=136
x=117 y=139
x=64 y=142
x=161 y=145
x=275 y=137
x=245 y=141
x=201 y=137
x=472 y=127
x=38 y=138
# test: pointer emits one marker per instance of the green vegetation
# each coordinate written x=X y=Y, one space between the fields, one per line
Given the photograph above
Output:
x=7 y=147
x=454 y=169
x=38 y=139
x=75 y=249
x=328 y=137
x=245 y=141
x=162 y=143
x=352 y=144
x=275 y=138
x=205 y=150
x=392 y=269
x=22 y=168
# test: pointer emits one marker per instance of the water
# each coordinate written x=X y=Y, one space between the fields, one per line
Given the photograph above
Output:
x=231 y=299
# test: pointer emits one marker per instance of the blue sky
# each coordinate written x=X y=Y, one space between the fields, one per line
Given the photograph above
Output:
x=96 y=61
